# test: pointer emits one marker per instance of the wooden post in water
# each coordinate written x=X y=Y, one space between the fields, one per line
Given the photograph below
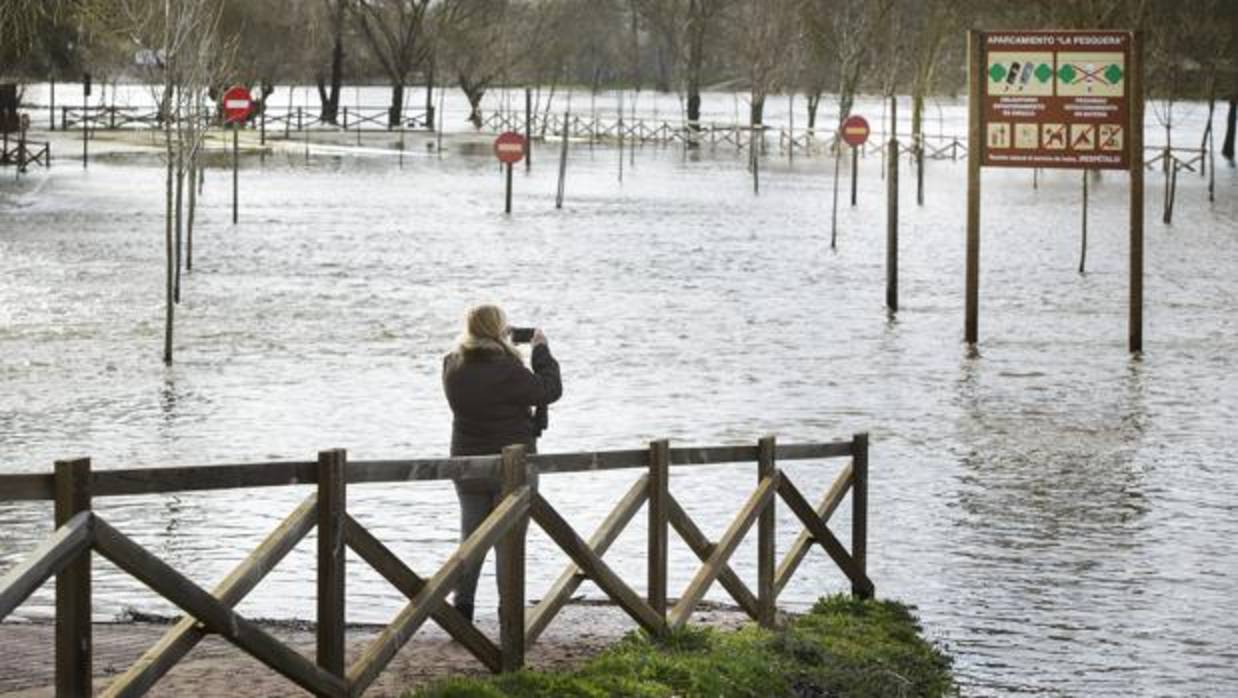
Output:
x=919 y=138
x=507 y=206
x=855 y=172
x=511 y=565
x=438 y=148
x=975 y=143
x=1083 y=252
x=837 y=145
x=659 y=480
x=528 y=129
x=85 y=125
x=754 y=157
x=236 y=163
x=791 y=128
x=892 y=215
x=766 y=527
x=331 y=519
x=1135 y=129
x=859 y=510
x=620 y=129
x=567 y=116
x=73 y=630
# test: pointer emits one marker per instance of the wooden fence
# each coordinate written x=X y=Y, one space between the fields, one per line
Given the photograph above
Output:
x=273 y=117
x=79 y=531
x=22 y=153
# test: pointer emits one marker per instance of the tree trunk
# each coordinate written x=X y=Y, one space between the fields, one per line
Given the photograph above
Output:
x=696 y=61
x=396 y=113
x=430 y=96
x=180 y=218
x=756 y=111
x=1227 y=148
x=331 y=100
x=168 y=246
x=474 y=95
x=814 y=100
x=193 y=207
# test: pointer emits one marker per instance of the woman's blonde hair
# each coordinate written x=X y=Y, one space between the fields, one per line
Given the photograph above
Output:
x=485 y=327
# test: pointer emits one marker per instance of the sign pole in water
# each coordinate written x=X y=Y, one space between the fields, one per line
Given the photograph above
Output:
x=509 y=148
x=855 y=132
x=85 y=119
x=237 y=105
x=1055 y=99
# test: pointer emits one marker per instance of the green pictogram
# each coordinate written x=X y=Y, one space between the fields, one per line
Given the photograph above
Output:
x=1067 y=73
x=1113 y=74
x=1043 y=73
x=997 y=72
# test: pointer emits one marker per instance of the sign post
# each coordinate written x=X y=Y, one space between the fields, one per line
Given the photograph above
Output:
x=1055 y=99
x=236 y=107
x=85 y=119
x=509 y=148
x=855 y=132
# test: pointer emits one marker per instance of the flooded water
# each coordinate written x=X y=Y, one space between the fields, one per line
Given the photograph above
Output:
x=1064 y=516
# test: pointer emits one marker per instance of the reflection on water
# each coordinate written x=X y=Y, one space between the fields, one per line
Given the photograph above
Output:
x=1062 y=515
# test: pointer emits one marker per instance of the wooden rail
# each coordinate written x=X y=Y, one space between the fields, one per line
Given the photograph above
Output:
x=288 y=119
x=66 y=554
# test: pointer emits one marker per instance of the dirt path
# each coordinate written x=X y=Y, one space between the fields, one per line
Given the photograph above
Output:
x=215 y=668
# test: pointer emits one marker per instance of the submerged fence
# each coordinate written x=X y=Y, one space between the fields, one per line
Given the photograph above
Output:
x=275 y=118
x=80 y=531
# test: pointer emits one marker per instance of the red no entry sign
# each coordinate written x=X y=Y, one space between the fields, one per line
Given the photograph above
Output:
x=237 y=104
x=855 y=131
x=509 y=147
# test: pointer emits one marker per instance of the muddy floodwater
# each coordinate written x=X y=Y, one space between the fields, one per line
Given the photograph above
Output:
x=1064 y=516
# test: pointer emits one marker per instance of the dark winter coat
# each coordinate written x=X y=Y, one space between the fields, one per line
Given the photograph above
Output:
x=493 y=396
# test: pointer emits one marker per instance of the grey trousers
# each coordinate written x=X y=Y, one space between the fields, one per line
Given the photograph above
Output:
x=478 y=498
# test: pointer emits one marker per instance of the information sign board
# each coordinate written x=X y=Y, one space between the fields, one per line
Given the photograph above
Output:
x=1056 y=99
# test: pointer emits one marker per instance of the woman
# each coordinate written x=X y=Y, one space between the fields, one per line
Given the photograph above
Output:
x=493 y=399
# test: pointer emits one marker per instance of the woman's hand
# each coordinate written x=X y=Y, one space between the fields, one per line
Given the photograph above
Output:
x=538 y=337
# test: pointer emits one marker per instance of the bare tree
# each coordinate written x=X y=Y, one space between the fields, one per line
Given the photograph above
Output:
x=189 y=56
x=762 y=31
x=334 y=20
x=848 y=28
x=686 y=26
x=395 y=32
x=483 y=41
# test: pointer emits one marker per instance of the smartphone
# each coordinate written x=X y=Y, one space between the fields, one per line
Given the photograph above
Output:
x=522 y=335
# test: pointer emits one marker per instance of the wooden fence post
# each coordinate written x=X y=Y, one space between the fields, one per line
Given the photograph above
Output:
x=859 y=510
x=659 y=479
x=766 y=600
x=510 y=553
x=331 y=519
x=73 y=631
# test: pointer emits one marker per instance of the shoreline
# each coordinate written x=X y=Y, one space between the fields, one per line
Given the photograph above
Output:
x=215 y=667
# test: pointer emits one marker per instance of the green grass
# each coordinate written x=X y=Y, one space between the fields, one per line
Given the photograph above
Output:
x=843 y=647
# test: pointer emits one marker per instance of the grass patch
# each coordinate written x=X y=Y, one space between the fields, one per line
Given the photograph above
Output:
x=843 y=647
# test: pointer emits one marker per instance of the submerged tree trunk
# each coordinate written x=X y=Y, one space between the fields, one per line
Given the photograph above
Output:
x=474 y=95
x=168 y=245
x=430 y=96
x=396 y=113
x=1227 y=147
x=331 y=99
x=193 y=207
x=756 y=111
x=179 y=216
x=814 y=101
x=695 y=66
